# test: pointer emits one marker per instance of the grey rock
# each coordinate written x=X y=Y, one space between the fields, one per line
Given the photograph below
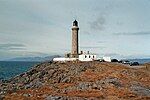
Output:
x=54 y=98
x=2 y=97
x=112 y=80
x=67 y=79
x=85 y=85
x=67 y=98
x=140 y=90
x=27 y=95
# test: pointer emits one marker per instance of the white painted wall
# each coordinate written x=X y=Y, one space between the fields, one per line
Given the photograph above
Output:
x=64 y=59
x=107 y=59
x=87 y=57
x=83 y=57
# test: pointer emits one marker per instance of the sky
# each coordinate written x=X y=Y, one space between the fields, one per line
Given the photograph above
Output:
x=115 y=28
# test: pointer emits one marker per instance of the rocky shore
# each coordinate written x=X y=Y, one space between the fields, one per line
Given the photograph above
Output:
x=78 y=81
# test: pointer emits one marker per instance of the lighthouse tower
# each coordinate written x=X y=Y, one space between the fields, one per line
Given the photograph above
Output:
x=75 y=29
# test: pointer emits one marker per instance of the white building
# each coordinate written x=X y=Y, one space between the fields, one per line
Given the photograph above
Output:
x=81 y=57
x=107 y=59
x=64 y=59
x=87 y=57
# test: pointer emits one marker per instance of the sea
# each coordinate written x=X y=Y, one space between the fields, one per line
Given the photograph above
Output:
x=140 y=61
x=9 y=69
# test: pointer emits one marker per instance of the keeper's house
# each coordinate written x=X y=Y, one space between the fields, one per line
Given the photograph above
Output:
x=87 y=57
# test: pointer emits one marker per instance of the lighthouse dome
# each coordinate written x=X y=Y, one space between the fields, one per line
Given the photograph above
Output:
x=75 y=23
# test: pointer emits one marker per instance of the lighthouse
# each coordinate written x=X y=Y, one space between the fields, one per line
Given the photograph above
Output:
x=75 y=55
x=75 y=41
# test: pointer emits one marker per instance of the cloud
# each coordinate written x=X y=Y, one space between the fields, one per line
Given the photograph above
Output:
x=86 y=32
x=7 y=54
x=12 y=46
x=99 y=23
x=34 y=53
x=101 y=41
x=22 y=21
x=91 y=47
x=113 y=55
x=135 y=33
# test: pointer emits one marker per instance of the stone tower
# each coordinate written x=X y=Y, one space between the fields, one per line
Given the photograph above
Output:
x=75 y=29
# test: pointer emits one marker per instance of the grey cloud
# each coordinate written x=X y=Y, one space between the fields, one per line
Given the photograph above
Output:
x=101 y=41
x=113 y=55
x=99 y=23
x=86 y=32
x=12 y=46
x=91 y=47
x=7 y=54
x=136 y=33
x=119 y=23
x=35 y=53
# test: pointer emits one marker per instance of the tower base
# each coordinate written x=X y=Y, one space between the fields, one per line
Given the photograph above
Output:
x=69 y=55
x=74 y=56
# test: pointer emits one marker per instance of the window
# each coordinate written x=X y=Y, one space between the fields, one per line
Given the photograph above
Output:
x=93 y=56
x=85 y=56
x=89 y=56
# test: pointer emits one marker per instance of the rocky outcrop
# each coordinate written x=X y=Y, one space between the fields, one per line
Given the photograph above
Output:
x=78 y=81
x=147 y=66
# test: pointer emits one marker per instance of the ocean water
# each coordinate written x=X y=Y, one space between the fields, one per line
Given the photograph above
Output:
x=141 y=61
x=9 y=69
